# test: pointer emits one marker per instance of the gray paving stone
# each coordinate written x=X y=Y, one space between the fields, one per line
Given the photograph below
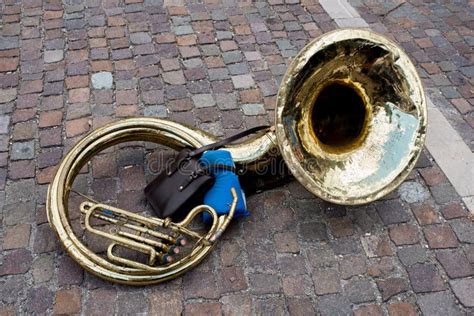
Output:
x=39 y=299
x=253 y=109
x=174 y=77
x=270 y=306
x=218 y=74
x=463 y=290
x=376 y=245
x=182 y=29
x=284 y=44
x=231 y=57
x=7 y=95
x=131 y=303
x=438 y=304
x=455 y=263
x=203 y=100
x=326 y=281
x=333 y=305
x=22 y=190
x=52 y=56
x=292 y=26
x=321 y=256
x=392 y=286
x=359 y=291
x=447 y=66
x=468 y=71
x=450 y=92
x=4 y=142
x=268 y=87
x=43 y=268
x=71 y=8
x=392 y=212
x=213 y=128
x=236 y=303
x=278 y=70
x=193 y=63
x=156 y=111
x=199 y=87
x=125 y=84
x=440 y=80
x=313 y=231
x=345 y=246
x=11 y=29
x=75 y=24
x=180 y=20
x=413 y=192
x=15 y=212
x=224 y=35
x=9 y=42
x=440 y=41
x=11 y=288
x=2 y=201
x=243 y=81
x=289 y=53
x=102 y=80
x=75 y=16
x=140 y=38
x=23 y=150
x=253 y=55
x=258 y=27
x=469 y=40
x=176 y=92
x=411 y=255
x=79 y=110
x=218 y=15
x=199 y=16
x=6 y=108
x=238 y=69
x=210 y=50
x=352 y=265
x=264 y=283
x=301 y=306
x=367 y=219
x=97 y=20
x=4 y=124
x=425 y=278
x=264 y=258
x=464 y=230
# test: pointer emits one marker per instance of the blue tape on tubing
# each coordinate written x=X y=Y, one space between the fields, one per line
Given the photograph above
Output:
x=219 y=196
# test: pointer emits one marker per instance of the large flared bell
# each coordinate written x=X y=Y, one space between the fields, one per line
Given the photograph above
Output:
x=351 y=116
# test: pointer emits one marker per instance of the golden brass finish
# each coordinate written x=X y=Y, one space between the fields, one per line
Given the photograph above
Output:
x=147 y=239
x=350 y=123
x=114 y=267
x=352 y=165
x=339 y=130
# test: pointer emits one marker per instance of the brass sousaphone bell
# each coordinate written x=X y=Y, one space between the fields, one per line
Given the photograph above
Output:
x=350 y=125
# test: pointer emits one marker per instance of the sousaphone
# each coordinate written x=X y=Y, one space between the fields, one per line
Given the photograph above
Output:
x=350 y=125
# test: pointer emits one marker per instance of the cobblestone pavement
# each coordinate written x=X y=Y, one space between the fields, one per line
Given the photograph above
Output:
x=74 y=65
x=439 y=37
